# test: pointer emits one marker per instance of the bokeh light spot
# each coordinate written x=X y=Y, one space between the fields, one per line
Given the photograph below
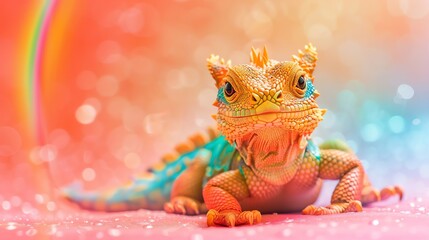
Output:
x=397 y=124
x=51 y=206
x=27 y=208
x=88 y=174
x=34 y=155
x=107 y=86
x=405 y=91
x=370 y=132
x=154 y=123
x=11 y=226
x=15 y=201
x=48 y=153
x=347 y=99
x=6 y=205
x=10 y=141
x=39 y=198
x=131 y=20
x=416 y=121
x=415 y=9
x=114 y=232
x=31 y=232
x=86 y=114
x=94 y=102
x=132 y=160
x=59 y=137
x=109 y=52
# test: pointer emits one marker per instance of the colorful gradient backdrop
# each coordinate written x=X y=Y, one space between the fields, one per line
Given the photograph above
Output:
x=96 y=91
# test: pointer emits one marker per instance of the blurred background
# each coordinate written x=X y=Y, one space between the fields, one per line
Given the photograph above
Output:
x=96 y=91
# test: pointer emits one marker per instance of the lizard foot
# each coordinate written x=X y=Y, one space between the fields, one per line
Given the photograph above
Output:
x=184 y=206
x=370 y=195
x=388 y=192
x=334 y=208
x=231 y=218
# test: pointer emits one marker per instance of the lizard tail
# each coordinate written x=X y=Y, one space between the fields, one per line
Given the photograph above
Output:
x=337 y=145
x=150 y=190
x=142 y=193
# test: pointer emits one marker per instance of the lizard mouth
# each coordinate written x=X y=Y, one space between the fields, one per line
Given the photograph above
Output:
x=284 y=113
x=268 y=111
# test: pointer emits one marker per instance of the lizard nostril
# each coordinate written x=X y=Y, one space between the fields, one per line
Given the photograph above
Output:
x=278 y=96
x=255 y=98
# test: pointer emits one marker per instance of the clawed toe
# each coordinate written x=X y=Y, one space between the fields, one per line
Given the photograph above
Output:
x=183 y=205
x=352 y=206
x=370 y=195
x=388 y=192
x=231 y=218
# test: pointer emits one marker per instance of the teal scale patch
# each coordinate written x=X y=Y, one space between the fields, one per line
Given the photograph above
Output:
x=221 y=159
x=313 y=149
x=221 y=96
x=162 y=180
x=310 y=89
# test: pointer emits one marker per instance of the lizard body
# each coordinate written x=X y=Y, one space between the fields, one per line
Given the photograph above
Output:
x=262 y=160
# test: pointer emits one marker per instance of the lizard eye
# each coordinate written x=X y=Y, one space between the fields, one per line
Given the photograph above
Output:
x=301 y=84
x=229 y=90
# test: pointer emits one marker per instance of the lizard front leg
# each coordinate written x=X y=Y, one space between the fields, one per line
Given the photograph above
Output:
x=348 y=169
x=222 y=195
x=186 y=193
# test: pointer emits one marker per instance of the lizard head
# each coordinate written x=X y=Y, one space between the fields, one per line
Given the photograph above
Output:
x=266 y=98
x=266 y=93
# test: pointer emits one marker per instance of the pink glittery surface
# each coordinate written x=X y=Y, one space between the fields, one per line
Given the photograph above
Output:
x=407 y=220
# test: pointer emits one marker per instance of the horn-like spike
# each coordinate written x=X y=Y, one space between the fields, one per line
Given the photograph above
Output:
x=253 y=55
x=258 y=58
x=316 y=94
x=265 y=55
x=307 y=59
x=218 y=68
x=216 y=103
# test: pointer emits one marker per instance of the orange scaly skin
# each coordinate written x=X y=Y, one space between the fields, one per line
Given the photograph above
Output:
x=268 y=110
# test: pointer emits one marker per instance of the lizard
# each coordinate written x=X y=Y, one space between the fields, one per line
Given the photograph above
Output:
x=260 y=159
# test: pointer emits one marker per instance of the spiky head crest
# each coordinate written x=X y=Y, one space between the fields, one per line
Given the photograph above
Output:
x=260 y=59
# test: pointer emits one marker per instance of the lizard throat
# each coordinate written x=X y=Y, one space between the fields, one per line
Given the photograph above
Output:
x=273 y=154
